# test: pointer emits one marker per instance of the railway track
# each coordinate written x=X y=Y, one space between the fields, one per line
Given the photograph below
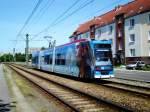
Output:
x=134 y=101
x=140 y=90
x=76 y=100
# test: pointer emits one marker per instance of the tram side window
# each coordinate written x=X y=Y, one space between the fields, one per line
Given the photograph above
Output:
x=57 y=60
x=47 y=59
x=50 y=60
x=60 y=59
x=63 y=61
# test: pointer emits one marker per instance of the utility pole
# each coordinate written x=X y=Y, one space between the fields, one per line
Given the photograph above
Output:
x=27 y=49
x=14 y=58
x=53 y=61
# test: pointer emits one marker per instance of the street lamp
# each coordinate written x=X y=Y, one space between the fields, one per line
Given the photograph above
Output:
x=49 y=39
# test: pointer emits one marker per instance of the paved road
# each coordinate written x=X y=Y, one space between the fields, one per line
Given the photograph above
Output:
x=4 y=93
x=133 y=75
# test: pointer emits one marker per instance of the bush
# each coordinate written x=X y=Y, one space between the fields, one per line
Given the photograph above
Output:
x=146 y=68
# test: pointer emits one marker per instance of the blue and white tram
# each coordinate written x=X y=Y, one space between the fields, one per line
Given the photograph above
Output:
x=81 y=58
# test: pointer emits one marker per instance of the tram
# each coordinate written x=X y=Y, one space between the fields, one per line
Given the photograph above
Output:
x=81 y=58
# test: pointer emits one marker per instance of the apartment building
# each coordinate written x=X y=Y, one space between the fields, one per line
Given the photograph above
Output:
x=128 y=26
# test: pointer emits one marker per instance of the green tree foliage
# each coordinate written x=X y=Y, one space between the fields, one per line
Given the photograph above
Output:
x=19 y=57
x=43 y=48
x=6 y=58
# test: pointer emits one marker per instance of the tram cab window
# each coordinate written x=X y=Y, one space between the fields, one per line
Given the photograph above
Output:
x=101 y=46
x=103 y=55
x=35 y=59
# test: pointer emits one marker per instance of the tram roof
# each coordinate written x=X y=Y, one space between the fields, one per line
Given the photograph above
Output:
x=81 y=40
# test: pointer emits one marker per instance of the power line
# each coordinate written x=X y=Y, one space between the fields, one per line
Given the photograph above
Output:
x=30 y=40
x=61 y=15
x=109 y=5
x=28 y=19
x=67 y=16
x=30 y=16
x=81 y=7
x=42 y=11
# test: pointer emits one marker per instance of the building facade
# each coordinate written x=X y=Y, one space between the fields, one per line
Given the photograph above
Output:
x=128 y=26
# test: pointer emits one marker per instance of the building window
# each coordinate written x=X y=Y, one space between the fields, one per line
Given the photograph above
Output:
x=149 y=18
x=132 y=52
x=83 y=35
x=132 y=38
x=99 y=32
x=132 y=22
x=110 y=29
x=148 y=35
x=79 y=36
x=149 y=51
x=87 y=34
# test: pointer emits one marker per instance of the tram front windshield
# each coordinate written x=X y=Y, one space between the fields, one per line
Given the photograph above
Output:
x=102 y=55
x=103 y=52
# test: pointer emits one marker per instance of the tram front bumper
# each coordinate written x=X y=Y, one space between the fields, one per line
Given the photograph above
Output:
x=98 y=74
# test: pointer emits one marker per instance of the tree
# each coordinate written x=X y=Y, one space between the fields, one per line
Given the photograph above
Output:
x=20 y=57
x=6 y=57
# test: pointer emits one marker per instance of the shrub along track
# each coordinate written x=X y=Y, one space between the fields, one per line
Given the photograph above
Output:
x=121 y=100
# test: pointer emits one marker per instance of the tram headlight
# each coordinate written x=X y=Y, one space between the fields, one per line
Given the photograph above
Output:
x=102 y=68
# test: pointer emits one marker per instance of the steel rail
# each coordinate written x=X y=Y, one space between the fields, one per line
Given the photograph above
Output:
x=128 y=87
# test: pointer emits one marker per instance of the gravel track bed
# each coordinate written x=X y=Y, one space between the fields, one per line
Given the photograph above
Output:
x=135 y=102
x=142 y=91
x=125 y=81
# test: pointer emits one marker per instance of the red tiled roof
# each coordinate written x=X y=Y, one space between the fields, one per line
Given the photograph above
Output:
x=130 y=9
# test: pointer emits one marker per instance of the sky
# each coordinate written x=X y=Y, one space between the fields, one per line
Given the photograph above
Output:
x=14 y=13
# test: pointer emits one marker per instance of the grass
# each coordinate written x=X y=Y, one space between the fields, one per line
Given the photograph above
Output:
x=11 y=94
x=33 y=97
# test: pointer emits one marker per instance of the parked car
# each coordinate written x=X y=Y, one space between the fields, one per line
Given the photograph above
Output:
x=135 y=65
